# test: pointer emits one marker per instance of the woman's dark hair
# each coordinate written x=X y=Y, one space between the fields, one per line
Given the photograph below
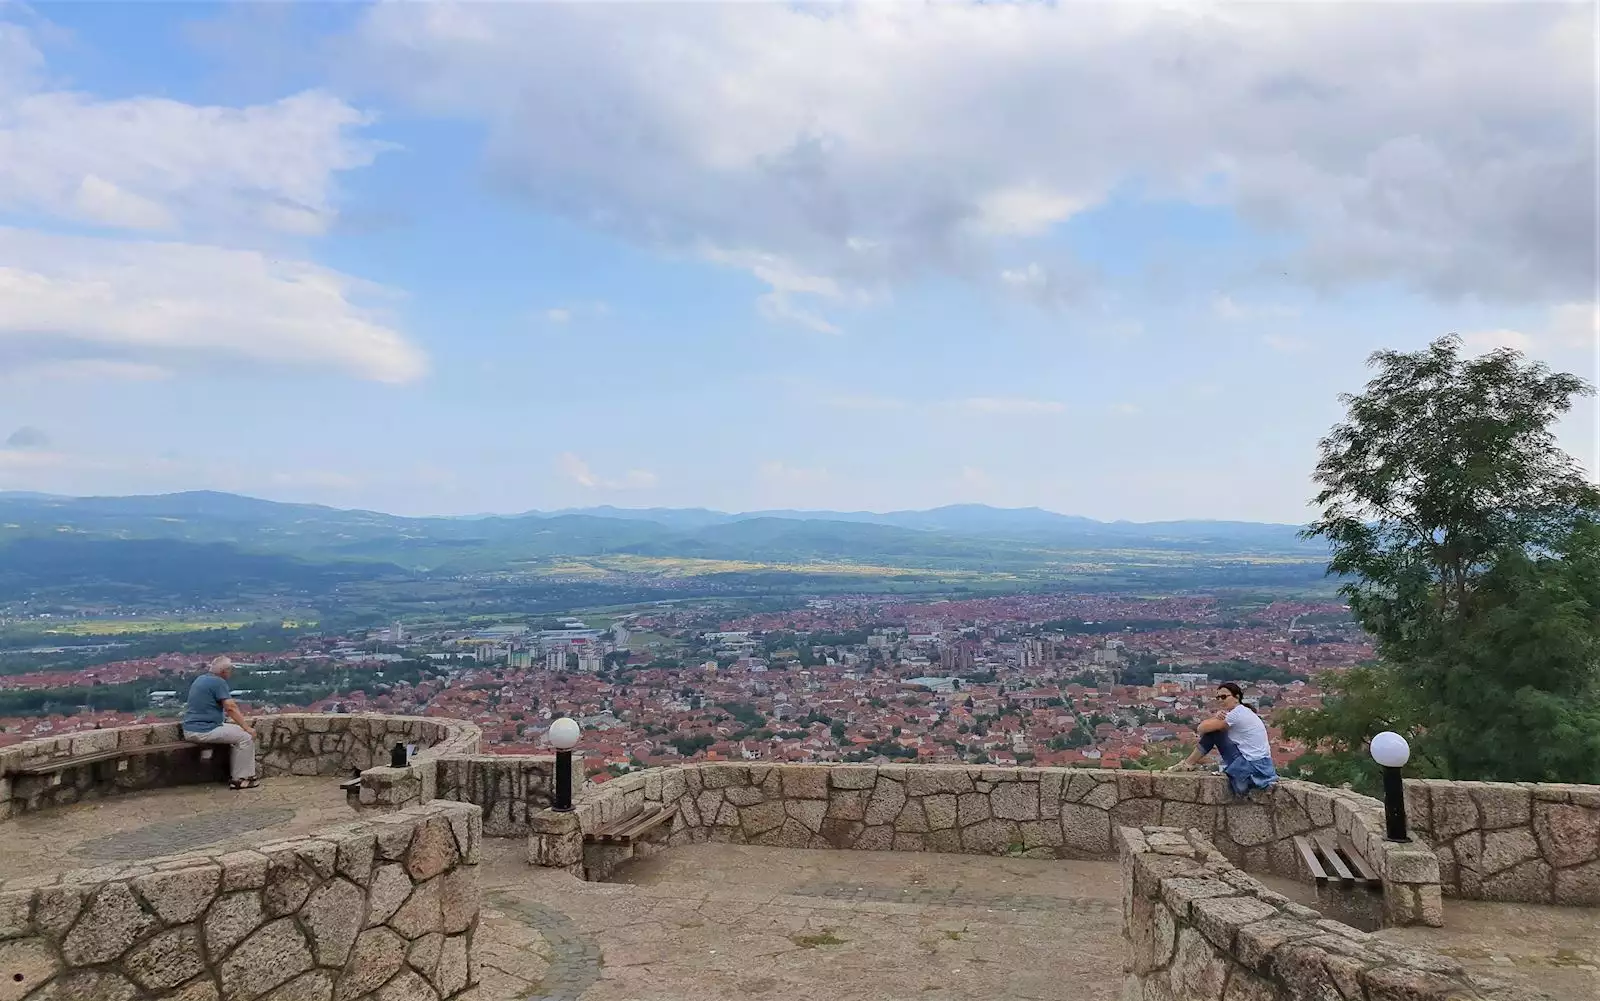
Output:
x=1237 y=693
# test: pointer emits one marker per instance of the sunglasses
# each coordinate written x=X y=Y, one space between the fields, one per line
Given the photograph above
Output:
x=1225 y=695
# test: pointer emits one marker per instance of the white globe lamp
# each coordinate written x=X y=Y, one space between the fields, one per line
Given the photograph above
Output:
x=1390 y=750
x=563 y=736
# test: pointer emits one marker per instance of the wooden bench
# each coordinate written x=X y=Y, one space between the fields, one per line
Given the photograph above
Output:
x=50 y=766
x=627 y=830
x=1329 y=858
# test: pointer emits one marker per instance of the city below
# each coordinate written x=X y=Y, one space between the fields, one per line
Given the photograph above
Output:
x=1082 y=680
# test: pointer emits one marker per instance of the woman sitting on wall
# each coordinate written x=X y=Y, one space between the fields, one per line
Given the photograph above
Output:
x=1239 y=737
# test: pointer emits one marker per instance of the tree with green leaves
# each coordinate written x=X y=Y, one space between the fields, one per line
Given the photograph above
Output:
x=1469 y=544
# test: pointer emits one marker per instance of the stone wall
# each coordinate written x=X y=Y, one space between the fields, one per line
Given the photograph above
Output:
x=339 y=743
x=1200 y=929
x=344 y=743
x=1034 y=812
x=333 y=744
x=27 y=793
x=370 y=911
x=1524 y=842
x=511 y=788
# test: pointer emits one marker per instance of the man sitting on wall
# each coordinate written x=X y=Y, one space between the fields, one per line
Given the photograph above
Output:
x=205 y=721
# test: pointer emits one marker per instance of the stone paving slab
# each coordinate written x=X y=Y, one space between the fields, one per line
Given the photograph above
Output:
x=1551 y=949
x=169 y=821
x=1555 y=950
x=713 y=922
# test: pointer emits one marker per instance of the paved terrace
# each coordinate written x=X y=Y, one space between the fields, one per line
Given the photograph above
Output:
x=717 y=921
x=713 y=915
x=168 y=821
x=713 y=922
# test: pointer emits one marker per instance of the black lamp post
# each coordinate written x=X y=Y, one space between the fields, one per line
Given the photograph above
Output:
x=563 y=736
x=1391 y=751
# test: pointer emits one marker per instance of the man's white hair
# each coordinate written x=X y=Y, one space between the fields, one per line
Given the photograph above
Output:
x=219 y=665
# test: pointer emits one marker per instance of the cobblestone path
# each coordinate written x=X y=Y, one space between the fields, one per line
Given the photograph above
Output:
x=170 y=837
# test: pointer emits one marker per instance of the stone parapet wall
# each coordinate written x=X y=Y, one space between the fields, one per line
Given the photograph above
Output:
x=1033 y=812
x=511 y=788
x=1200 y=929
x=1511 y=841
x=344 y=743
x=333 y=744
x=376 y=910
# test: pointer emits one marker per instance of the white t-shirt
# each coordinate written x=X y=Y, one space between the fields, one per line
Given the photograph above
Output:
x=1249 y=734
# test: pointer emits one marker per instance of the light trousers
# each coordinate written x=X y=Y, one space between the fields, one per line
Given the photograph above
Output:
x=244 y=747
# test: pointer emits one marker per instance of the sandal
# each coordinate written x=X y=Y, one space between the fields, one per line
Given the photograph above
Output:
x=250 y=783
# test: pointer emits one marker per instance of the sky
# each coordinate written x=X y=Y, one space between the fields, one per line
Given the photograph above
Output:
x=1115 y=260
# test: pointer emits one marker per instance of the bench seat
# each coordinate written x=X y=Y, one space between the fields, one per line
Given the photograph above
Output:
x=49 y=766
x=627 y=830
x=1328 y=858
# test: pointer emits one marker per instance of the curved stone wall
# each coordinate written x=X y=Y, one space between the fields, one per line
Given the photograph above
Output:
x=1035 y=812
x=1197 y=928
x=1523 y=841
x=334 y=744
x=385 y=908
x=344 y=743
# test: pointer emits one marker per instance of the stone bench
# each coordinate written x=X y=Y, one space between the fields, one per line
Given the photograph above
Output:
x=51 y=766
x=625 y=830
x=1199 y=928
x=624 y=838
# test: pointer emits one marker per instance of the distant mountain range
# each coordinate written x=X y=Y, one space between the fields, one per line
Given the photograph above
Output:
x=183 y=549
x=966 y=534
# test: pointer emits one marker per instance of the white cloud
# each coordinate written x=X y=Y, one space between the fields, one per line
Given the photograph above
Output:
x=1126 y=409
x=318 y=479
x=866 y=145
x=165 y=304
x=1485 y=341
x=148 y=163
x=865 y=402
x=776 y=473
x=101 y=201
x=1008 y=406
x=579 y=472
x=976 y=478
x=1284 y=344
x=1025 y=210
x=1568 y=337
x=1576 y=325
x=572 y=312
x=786 y=283
x=85 y=370
x=1228 y=308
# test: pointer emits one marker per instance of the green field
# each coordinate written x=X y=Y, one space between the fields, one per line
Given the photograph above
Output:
x=124 y=627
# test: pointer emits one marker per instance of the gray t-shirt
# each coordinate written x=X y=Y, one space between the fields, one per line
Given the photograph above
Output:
x=204 y=711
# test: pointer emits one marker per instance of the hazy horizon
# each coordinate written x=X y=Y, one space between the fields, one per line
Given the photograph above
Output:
x=640 y=510
x=1117 y=260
